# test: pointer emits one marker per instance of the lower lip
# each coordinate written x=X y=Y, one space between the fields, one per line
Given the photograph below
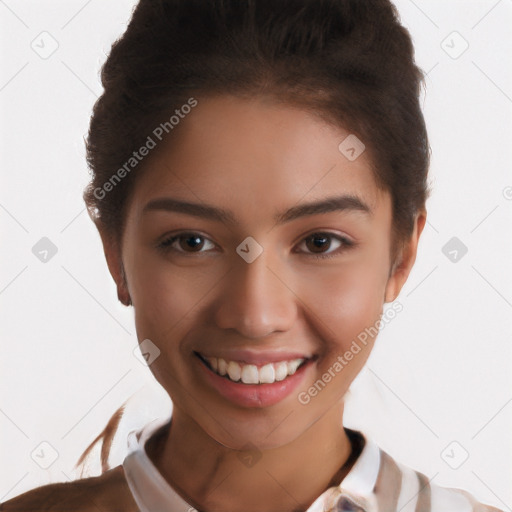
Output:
x=254 y=395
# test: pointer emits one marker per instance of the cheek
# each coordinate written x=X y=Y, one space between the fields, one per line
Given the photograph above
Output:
x=346 y=301
x=165 y=296
x=344 y=307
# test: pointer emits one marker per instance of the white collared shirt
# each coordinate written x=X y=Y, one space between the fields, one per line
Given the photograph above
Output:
x=375 y=483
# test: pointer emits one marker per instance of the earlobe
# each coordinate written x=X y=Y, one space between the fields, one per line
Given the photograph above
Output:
x=404 y=260
x=116 y=268
x=122 y=288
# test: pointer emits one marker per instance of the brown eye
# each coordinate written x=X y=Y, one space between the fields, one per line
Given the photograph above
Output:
x=187 y=243
x=318 y=242
x=325 y=245
x=193 y=242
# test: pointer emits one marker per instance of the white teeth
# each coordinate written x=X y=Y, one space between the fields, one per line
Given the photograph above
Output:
x=251 y=374
x=267 y=374
x=281 y=371
x=293 y=365
x=213 y=362
x=234 y=371
x=222 y=366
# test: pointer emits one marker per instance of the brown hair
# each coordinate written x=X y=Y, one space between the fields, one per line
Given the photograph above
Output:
x=349 y=61
x=106 y=437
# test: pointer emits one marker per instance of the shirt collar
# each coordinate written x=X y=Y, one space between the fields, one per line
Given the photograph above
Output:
x=152 y=492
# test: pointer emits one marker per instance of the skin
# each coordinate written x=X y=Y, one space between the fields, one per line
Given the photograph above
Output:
x=256 y=158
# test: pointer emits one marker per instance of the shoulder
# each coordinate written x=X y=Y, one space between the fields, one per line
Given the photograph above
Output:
x=445 y=499
x=412 y=484
x=108 y=492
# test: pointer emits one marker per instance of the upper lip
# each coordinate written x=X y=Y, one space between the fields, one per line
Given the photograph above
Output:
x=256 y=356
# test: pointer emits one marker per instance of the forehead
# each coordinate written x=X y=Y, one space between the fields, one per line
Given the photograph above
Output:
x=255 y=155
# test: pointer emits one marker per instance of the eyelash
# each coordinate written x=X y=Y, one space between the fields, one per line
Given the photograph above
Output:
x=346 y=244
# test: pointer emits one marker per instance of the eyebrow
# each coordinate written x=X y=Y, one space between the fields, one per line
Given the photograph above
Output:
x=344 y=203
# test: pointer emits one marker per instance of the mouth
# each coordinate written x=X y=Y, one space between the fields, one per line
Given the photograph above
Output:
x=255 y=380
x=254 y=373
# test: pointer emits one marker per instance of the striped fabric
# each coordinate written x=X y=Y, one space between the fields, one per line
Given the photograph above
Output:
x=376 y=483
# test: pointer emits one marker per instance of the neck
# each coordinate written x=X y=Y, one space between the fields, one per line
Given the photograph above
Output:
x=210 y=476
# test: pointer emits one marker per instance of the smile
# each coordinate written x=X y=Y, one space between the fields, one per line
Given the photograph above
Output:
x=255 y=379
x=266 y=373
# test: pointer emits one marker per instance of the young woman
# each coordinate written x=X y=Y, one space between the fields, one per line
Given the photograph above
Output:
x=259 y=185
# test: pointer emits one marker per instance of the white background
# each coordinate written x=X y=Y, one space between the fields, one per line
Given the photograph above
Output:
x=441 y=370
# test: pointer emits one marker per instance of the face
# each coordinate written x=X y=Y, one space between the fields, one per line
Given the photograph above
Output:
x=253 y=246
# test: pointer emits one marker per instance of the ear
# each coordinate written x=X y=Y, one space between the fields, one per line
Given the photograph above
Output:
x=405 y=260
x=112 y=252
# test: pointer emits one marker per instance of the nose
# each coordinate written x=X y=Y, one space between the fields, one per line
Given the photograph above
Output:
x=255 y=299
